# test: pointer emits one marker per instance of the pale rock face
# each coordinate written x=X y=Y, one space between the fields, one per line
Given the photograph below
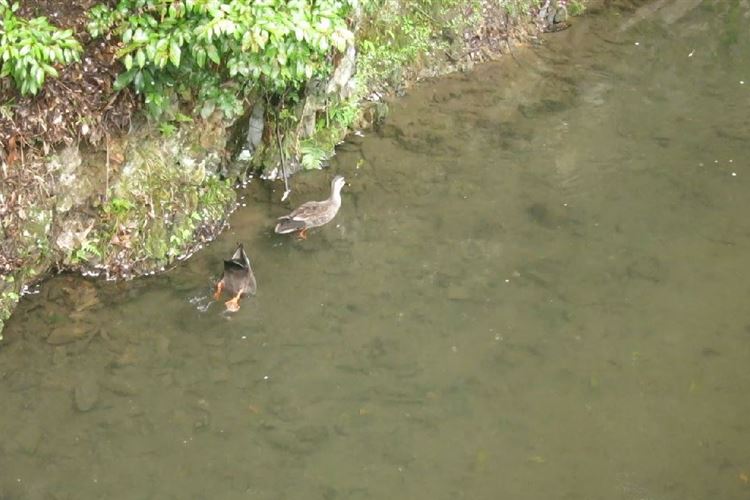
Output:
x=73 y=186
x=341 y=81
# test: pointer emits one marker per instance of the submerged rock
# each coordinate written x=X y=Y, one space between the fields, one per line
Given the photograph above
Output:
x=119 y=386
x=561 y=15
x=68 y=333
x=86 y=394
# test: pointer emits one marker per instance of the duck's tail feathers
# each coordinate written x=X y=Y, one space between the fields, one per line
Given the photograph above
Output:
x=287 y=226
x=235 y=265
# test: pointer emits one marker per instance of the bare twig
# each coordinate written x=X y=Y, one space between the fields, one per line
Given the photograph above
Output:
x=278 y=143
x=283 y=167
x=106 y=185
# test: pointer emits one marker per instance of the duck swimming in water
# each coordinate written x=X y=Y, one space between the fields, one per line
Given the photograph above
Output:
x=238 y=279
x=312 y=213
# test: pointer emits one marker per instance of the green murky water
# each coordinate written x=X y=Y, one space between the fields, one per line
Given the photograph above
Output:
x=537 y=287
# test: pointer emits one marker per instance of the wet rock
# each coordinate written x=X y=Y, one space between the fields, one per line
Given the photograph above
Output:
x=128 y=357
x=74 y=234
x=646 y=268
x=373 y=114
x=68 y=333
x=561 y=15
x=119 y=386
x=255 y=127
x=314 y=102
x=553 y=16
x=84 y=296
x=341 y=82
x=86 y=394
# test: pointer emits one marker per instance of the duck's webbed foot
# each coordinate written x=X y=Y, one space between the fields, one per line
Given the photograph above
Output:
x=219 y=288
x=233 y=304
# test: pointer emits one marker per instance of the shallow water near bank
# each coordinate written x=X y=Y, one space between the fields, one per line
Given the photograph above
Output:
x=536 y=288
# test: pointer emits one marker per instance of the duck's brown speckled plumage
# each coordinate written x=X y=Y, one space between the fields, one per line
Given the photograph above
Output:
x=238 y=278
x=313 y=213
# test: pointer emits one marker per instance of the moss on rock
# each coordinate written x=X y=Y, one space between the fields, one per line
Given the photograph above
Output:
x=166 y=200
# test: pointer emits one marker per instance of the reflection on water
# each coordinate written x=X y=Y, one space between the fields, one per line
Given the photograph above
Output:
x=536 y=288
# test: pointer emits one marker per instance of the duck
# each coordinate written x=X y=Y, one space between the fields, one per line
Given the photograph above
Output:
x=313 y=213
x=237 y=280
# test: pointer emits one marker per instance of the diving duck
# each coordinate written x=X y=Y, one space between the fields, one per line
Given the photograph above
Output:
x=238 y=279
x=312 y=213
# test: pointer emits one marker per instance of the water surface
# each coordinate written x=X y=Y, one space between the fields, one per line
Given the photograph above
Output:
x=536 y=288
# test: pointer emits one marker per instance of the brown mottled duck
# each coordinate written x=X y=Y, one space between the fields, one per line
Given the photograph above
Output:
x=313 y=213
x=238 y=279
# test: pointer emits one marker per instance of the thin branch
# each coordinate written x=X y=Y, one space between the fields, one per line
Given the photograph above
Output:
x=106 y=188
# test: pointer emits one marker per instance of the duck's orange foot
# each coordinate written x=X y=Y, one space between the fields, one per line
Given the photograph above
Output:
x=302 y=235
x=233 y=305
x=219 y=288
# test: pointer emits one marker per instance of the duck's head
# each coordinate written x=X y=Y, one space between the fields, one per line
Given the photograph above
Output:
x=337 y=183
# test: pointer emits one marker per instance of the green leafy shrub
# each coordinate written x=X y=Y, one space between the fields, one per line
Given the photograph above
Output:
x=312 y=155
x=118 y=206
x=398 y=34
x=576 y=8
x=30 y=48
x=216 y=49
x=86 y=251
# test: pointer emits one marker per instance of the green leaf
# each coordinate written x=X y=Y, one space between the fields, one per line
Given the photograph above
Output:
x=174 y=53
x=140 y=36
x=213 y=54
x=127 y=61
x=151 y=50
x=38 y=76
x=138 y=81
x=124 y=79
x=140 y=58
x=200 y=56
x=50 y=70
